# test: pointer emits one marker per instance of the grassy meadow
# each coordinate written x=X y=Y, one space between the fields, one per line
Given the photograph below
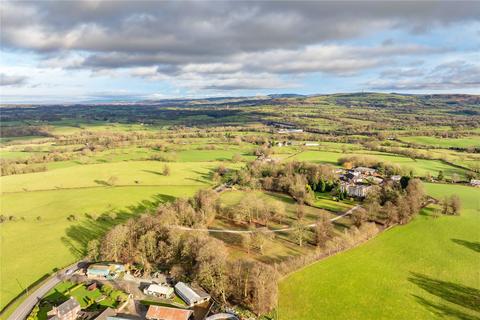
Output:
x=42 y=235
x=427 y=269
x=467 y=142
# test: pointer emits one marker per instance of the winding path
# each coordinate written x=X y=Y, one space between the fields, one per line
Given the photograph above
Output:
x=253 y=231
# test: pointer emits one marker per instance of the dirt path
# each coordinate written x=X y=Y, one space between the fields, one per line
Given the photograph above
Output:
x=253 y=231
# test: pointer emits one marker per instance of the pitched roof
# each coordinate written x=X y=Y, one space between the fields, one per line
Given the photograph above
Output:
x=188 y=293
x=160 y=289
x=166 y=313
x=67 y=306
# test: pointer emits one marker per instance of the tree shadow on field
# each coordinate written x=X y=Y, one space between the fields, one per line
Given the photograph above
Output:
x=103 y=183
x=475 y=246
x=158 y=173
x=442 y=310
x=77 y=236
x=457 y=294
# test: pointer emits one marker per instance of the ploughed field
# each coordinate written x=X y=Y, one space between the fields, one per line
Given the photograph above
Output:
x=427 y=269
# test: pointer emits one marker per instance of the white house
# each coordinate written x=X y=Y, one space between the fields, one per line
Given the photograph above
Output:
x=159 y=290
x=359 y=191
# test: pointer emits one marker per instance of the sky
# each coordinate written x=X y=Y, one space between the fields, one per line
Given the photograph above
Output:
x=76 y=51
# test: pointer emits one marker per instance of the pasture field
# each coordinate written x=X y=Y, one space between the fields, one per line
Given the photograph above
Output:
x=466 y=142
x=54 y=241
x=427 y=269
x=126 y=173
x=51 y=240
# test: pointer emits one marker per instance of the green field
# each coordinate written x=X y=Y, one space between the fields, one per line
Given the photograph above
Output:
x=52 y=241
x=444 y=142
x=98 y=175
x=427 y=269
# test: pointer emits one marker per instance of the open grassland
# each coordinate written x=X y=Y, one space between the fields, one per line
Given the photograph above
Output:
x=41 y=202
x=444 y=142
x=33 y=248
x=124 y=173
x=427 y=269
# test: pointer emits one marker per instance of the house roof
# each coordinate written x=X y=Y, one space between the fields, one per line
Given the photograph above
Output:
x=67 y=306
x=166 y=313
x=364 y=169
x=190 y=294
x=160 y=289
x=106 y=314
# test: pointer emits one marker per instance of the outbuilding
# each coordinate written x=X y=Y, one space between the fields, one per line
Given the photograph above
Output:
x=190 y=296
x=159 y=290
x=167 y=313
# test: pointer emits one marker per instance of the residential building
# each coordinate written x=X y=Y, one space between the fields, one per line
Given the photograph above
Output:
x=359 y=191
x=159 y=290
x=107 y=313
x=66 y=311
x=166 y=313
x=365 y=170
x=191 y=296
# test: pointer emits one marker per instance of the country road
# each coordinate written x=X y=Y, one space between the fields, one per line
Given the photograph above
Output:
x=253 y=231
x=24 y=309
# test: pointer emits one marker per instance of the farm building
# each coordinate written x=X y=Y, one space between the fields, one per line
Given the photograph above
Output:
x=475 y=183
x=66 y=311
x=159 y=290
x=311 y=144
x=190 y=296
x=166 y=313
x=105 y=271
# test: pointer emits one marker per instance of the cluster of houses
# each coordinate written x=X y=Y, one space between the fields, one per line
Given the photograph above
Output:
x=358 y=182
x=71 y=310
x=162 y=292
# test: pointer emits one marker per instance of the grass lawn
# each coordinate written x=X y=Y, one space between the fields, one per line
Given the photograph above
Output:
x=325 y=201
x=428 y=269
x=444 y=142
